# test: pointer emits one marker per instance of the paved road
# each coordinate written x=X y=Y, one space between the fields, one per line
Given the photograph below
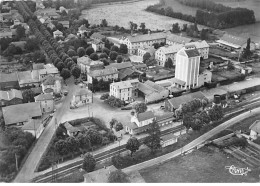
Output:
x=27 y=171
x=193 y=144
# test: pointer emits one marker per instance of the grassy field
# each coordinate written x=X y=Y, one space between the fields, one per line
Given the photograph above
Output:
x=206 y=165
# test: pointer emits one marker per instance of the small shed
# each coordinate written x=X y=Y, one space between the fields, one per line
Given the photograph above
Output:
x=168 y=139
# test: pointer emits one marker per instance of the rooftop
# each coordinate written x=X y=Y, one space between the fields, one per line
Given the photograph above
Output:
x=82 y=91
x=178 y=39
x=21 y=112
x=9 y=95
x=103 y=72
x=97 y=36
x=145 y=116
x=197 y=44
x=50 y=80
x=8 y=77
x=170 y=49
x=125 y=72
x=122 y=84
x=189 y=53
x=70 y=128
x=57 y=32
x=89 y=62
x=233 y=40
x=120 y=66
x=168 y=137
x=147 y=37
x=28 y=76
x=43 y=97
x=177 y=101
x=150 y=87
x=177 y=81
x=37 y=66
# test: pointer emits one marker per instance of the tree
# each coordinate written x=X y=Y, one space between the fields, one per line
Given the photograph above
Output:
x=93 y=56
x=150 y=62
x=146 y=56
x=90 y=51
x=142 y=26
x=39 y=57
x=123 y=49
x=103 y=55
x=65 y=73
x=61 y=147
x=153 y=141
x=216 y=113
x=112 y=123
x=60 y=66
x=204 y=117
x=106 y=50
x=132 y=145
x=60 y=27
x=119 y=59
x=89 y=162
x=230 y=66
x=94 y=136
x=71 y=53
x=117 y=176
x=113 y=55
x=169 y=63
x=104 y=23
x=71 y=64
x=28 y=95
x=176 y=28
x=204 y=34
x=114 y=48
x=72 y=144
x=31 y=44
x=119 y=126
x=75 y=71
x=81 y=51
x=140 y=107
x=20 y=31
x=188 y=120
x=247 y=52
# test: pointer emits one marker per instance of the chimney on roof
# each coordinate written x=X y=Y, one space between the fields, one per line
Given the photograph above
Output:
x=149 y=32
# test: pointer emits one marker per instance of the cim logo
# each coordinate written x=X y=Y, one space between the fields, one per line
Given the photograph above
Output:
x=237 y=171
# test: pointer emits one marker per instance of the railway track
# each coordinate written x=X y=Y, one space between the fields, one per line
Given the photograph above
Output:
x=68 y=169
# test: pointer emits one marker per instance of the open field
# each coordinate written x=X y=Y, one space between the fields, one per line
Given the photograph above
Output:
x=122 y=14
x=200 y=166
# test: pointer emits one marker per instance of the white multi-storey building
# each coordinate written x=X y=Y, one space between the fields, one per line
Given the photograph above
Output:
x=187 y=68
x=135 y=42
x=164 y=53
x=121 y=90
x=201 y=46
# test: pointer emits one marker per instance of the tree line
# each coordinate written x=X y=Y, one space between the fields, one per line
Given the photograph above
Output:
x=209 y=13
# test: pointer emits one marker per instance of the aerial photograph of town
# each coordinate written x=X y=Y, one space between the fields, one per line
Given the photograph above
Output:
x=129 y=91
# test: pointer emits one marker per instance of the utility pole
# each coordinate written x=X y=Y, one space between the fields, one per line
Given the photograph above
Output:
x=16 y=161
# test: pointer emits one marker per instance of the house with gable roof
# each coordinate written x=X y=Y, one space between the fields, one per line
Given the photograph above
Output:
x=105 y=74
x=152 y=92
x=82 y=30
x=136 y=41
x=86 y=64
x=81 y=97
x=11 y=97
x=230 y=42
x=57 y=33
x=172 y=39
x=65 y=24
x=23 y=112
x=164 y=53
x=51 y=84
x=46 y=102
x=97 y=37
x=97 y=45
x=140 y=122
